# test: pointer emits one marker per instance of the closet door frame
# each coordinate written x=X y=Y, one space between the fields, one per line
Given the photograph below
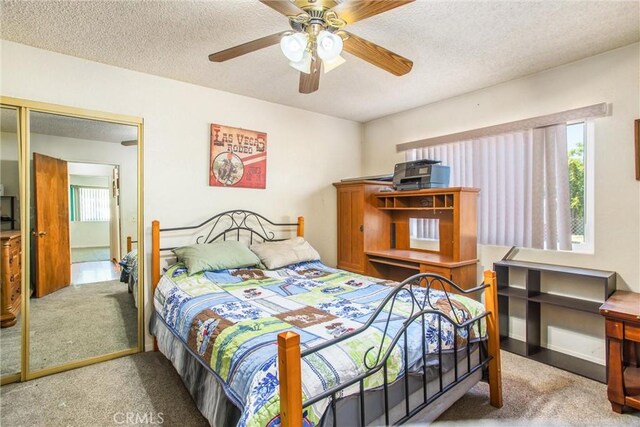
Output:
x=24 y=107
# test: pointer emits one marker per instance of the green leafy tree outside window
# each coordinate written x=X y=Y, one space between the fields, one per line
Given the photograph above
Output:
x=576 y=191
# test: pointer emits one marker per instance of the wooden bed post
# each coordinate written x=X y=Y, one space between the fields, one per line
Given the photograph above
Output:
x=129 y=244
x=300 y=226
x=493 y=334
x=155 y=263
x=290 y=379
x=155 y=254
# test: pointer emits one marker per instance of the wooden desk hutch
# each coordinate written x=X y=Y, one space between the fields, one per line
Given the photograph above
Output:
x=373 y=231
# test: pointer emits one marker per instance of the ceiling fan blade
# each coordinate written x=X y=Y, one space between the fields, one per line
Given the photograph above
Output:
x=310 y=83
x=352 y=11
x=284 y=7
x=252 y=46
x=377 y=55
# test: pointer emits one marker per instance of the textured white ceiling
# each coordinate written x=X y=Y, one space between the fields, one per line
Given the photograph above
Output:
x=69 y=127
x=456 y=46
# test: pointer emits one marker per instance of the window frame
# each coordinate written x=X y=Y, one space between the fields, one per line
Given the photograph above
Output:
x=588 y=246
x=73 y=208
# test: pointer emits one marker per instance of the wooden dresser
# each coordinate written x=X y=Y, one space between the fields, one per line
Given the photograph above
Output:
x=373 y=231
x=622 y=314
x=10 y=293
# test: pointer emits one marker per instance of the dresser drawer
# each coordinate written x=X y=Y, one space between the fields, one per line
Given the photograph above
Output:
x=12 y=245
x=632 y=332
x=425 y=268
x=11 y=280
x=16 y=292
x=15 y=262
x=14 y=248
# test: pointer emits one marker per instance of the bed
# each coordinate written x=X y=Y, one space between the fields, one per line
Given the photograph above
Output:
x=129 y=269
x=307 y=344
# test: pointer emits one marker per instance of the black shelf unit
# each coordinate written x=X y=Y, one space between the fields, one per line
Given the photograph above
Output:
x=533 y=299
x=12 y=217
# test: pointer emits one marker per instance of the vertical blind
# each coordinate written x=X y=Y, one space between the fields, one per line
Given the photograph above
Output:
x=89 y=203
x=523 y=181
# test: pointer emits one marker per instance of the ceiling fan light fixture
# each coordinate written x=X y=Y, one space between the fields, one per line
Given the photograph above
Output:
x=304 y=65
x=329 y=45
x=330 y=64
x=294 y=46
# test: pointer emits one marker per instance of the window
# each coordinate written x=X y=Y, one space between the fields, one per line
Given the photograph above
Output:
x=576 y=136
x=89 y=203
x=535 y=184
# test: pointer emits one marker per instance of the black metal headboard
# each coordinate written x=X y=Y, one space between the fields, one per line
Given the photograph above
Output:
x=232 y=224
x=226 y=225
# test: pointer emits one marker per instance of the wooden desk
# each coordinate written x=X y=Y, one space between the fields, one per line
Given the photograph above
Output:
x=374 y=237
x=622 y=313
x=398 y=264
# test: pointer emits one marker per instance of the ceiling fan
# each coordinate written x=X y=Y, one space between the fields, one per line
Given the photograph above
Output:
x=317 y=38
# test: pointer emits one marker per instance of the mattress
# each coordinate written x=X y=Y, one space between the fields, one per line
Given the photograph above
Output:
x=229 y=320
x=129 y=273
x=209 y=396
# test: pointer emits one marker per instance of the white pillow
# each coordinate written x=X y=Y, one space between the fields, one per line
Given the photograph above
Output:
x=278 y=254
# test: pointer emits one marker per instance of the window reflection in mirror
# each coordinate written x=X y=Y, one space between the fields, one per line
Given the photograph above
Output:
x=10 y=294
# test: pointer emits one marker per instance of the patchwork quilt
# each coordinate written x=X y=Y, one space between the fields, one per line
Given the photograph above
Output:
x=231 y=320
x=129 y=264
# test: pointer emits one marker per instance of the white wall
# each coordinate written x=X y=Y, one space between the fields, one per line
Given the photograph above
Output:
x=89 y=234
x=612 y=77
x=306 y=151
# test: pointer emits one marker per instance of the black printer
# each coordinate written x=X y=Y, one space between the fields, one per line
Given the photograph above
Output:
x=420 y=174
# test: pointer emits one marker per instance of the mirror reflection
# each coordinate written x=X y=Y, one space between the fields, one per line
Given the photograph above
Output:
x=83 y=207
x=10 y=292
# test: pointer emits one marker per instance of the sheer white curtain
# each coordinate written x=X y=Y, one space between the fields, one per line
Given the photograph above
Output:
x=524 y=186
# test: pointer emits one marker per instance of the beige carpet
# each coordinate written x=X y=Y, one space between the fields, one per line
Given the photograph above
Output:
x=102 y=395
x=534 y=394
x=74 y=323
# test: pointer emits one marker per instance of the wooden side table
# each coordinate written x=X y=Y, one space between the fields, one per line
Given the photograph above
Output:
x=622 y=313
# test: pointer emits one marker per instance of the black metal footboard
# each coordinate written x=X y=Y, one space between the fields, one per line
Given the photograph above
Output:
x=421 y=310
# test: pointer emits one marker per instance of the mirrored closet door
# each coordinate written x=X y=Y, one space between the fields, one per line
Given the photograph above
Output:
x=11 y=247
x=82 y=297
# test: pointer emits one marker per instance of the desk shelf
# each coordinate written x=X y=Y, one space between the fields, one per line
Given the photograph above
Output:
x=567 y=302
x=534 y=298
x=434 y=199
x=513 y=292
